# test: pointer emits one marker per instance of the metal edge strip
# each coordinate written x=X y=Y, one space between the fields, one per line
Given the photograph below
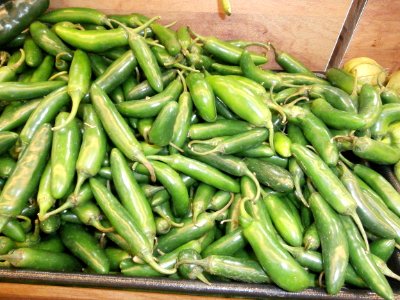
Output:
x=349 y=25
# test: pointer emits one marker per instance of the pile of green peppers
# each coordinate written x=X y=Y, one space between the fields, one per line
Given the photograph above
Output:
x=130 y=148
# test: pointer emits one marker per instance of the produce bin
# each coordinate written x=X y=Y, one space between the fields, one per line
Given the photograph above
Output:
x=322 y=34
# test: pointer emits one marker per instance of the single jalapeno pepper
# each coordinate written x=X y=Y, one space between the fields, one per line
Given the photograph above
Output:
x=375 y=151
x=44 y=70
x=335 y=249
x=270 y=175
x=188 y=270
x=89 y=214
x=121 y=221
x=7 y=140
x=238 y=269
x=314 y=131
x=6 y=245
x=290 y=80
x=45 y=112
x=311 y=240
x=370 y=105
x=64 y=153
x=189 y=231
x=380 y=185
x=182 y=123
x=363 y=263
x=235 y=143
x=161 y=131
x=132 y=197
x=42 y=260
x=219 y=200
x=390 y=113
x=341 y=79
x=266 y=78
x=246 y=105
x=50 y=225
x=78 y=84
x=202 y=96
x=7 y=166
x=18 y=41
x=14 y=230
x=93 y=148
x=199 y=171
x=16 y=16
x=390 y=222
x=274 y=259
x=383 y=248
x=76 y=15
x=167 y=38
x=290 y=64
x=22 y=183
x=51 y=243
x=264 y=150
x=184 y=38
x=143 y=89
x=116 y=73
x=282 y=144
x=389 y=96
x=17 y=91
x=145 y=58
x=202 y=131
x=313 y=261
x=202 y=199
x=336 y=118
x=151 y=107
x=44 y=198
x=115 y=257
x=334 y=96
x=326 y=183
x=226 y=69
x=227 y=245
x=9 y=72
x=226 y=52
x=49 y=41
x=117 y=128
x=83 y=245
x=16 y=114
x=284 y=220
x=171 y=180
x=296 y=135
x=33 y=53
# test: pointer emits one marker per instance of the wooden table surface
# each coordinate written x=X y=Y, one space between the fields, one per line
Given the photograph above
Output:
x=33 y=291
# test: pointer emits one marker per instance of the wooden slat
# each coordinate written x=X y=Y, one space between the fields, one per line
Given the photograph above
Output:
x=308 y=29
x=377 y=34
x=46 y=292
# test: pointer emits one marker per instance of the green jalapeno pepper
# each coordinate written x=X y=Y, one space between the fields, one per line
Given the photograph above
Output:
x=335 y=249
x=64 y=153
x=117 y=128
x=22 y=183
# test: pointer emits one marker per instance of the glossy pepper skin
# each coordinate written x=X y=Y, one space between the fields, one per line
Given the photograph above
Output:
x=17 y=15
x=276 y=262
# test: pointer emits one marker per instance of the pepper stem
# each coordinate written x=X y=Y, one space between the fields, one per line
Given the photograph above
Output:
x=214 y=215
x=345 y=161
x=151 y=261
x=20 y=60
x=256 y=182
x=96 y=224
x=76 y=99
x=360 y=226
x=298 y=192
x=57 y=75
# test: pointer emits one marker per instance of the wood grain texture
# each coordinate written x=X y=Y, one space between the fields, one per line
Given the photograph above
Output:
x=308 y=29
x=377 y=34
x=18 y=291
